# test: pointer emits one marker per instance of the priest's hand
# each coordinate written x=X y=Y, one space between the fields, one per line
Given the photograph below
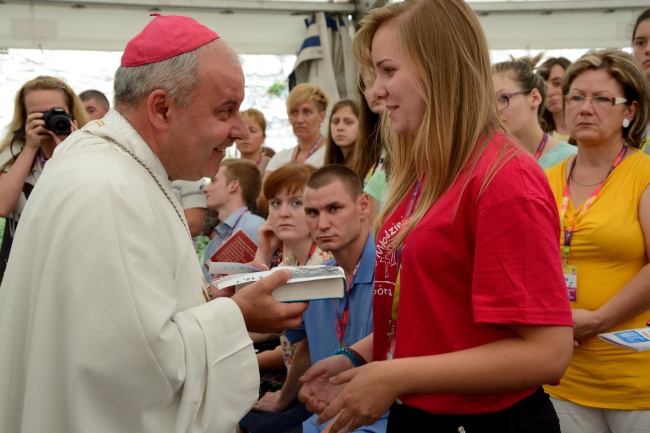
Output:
x=262 y=313
x=227 y=292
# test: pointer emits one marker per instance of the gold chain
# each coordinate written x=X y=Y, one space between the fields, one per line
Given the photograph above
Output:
x=155 y=179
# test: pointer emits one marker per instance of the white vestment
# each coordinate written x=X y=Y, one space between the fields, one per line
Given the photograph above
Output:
x=103 y=322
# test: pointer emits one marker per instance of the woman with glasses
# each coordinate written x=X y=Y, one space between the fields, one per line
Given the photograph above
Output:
x=470 y=310
x=553 y=121
x=520 y=96
x=603 y=196
x=29 y=142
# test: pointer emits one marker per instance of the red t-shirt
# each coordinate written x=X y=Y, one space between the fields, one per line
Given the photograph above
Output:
x=475 y=262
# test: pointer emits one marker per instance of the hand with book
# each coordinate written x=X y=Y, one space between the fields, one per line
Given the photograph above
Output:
x=262 y=313
x=227 y=292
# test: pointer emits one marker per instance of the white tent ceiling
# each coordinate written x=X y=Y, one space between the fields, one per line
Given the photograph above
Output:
x=277 y=27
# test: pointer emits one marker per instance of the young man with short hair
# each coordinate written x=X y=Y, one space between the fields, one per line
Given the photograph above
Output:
x=337 y=212
x=232 y=190
x=96 y=103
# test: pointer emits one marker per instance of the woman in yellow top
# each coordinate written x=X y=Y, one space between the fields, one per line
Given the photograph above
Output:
x=603 y=195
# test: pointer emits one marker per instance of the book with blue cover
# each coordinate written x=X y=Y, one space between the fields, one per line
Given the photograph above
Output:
x=634 y=339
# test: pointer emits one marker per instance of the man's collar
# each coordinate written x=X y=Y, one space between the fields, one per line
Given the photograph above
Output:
x=366 y=271
x=229 y=223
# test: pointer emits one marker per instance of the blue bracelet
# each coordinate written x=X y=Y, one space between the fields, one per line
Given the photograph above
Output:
x=350 y=355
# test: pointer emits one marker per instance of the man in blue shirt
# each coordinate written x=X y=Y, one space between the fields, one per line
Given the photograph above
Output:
x=235 y=187
x=337 y=216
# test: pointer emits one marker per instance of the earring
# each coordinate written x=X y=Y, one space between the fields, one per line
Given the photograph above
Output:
x=626 y=122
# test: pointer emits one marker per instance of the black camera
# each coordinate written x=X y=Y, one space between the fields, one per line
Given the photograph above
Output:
x=58 y=121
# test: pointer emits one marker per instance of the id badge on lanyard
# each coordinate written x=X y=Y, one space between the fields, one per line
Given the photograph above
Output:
x=571 y=271
x=571 y=280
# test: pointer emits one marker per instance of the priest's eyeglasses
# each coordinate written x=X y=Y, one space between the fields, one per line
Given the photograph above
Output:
x=503 y=99
x=599 y=102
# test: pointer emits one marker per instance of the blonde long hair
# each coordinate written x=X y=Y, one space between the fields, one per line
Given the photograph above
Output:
x=444 y=45
x=16 y=127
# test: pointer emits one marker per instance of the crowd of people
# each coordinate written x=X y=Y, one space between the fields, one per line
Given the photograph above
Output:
x=489 y=227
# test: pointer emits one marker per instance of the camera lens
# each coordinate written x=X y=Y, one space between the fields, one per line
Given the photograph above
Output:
x=60 y=125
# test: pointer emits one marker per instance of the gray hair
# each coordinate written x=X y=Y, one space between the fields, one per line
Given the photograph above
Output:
x=177 y=76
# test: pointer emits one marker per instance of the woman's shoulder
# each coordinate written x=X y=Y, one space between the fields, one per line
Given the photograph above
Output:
x=557 y=154
x=9 y=154
x=281 y=158
x=319 y=257
x=639 y=163
x=565 y=148
x=505 y=169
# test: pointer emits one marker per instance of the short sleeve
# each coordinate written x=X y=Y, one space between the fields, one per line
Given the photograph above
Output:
x=279 y=159
x=190 y=194
x=517 y=271
x=296 y=335
x=376 y=186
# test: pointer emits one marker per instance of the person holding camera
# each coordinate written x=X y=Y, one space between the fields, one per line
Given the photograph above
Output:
x=45 y=112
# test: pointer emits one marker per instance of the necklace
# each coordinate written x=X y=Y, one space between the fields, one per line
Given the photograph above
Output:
x=587 y=184
x=139 y=161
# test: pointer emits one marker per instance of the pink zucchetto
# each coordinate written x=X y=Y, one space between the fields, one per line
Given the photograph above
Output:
x=166 y=36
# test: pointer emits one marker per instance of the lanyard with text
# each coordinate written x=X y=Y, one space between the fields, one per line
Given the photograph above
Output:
x=341 y=321
x=294 y=157
x=542 y=145
x=584 y=207
x=398 y=256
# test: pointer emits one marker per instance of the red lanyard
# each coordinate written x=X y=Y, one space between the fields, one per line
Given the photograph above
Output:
x=277 y=257
x=341 y=321
x=584 y=207
x=542 y=145
x=311 y=252
x=294 y=157
x=398 y=254
x=259 y=160
x=233 y=227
